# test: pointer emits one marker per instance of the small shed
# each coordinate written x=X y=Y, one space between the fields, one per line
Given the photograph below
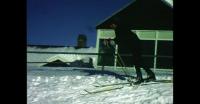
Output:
x=152 y=21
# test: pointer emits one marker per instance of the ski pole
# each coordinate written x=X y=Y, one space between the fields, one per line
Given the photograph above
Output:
x=121 y=59
x=123 y=68
x=122 y=64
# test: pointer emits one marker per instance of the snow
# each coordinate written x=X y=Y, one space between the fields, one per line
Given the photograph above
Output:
x=50 y=85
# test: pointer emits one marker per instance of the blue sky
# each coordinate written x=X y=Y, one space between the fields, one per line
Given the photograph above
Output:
x=59 y=22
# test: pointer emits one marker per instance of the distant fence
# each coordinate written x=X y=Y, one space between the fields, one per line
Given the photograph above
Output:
x=97 y=54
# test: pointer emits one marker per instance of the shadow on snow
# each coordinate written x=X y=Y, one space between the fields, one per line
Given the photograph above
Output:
x=104 y=72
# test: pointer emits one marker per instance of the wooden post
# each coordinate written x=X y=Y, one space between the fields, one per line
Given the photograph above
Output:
x=155 y=51
x=116 y=52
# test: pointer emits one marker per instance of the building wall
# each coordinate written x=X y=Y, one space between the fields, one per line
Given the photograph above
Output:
x=154 y=43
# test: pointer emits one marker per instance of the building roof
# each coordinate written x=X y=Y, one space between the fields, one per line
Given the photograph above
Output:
x=143 y=14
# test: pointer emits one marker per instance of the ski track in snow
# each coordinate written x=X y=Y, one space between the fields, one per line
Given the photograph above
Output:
x=58 y=88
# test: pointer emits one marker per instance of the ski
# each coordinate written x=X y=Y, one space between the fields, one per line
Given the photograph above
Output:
x=104 y=85
x=102 y=89
x=109 y=87
x=131 y=83
x=163 y=81
x=155 y=82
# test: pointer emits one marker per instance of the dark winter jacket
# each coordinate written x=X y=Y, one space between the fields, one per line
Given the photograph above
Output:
x=128 y=42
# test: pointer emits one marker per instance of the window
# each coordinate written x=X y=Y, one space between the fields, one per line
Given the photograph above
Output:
x=148 y=47
x=165 y=55
x=106 y=57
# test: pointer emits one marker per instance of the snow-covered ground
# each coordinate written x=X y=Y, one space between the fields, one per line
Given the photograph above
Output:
x=49 y=85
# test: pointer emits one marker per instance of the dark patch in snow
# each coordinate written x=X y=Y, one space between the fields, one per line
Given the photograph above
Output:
x=76 y=63
x=57 y=63
x=104 y=72
x=81 y=63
